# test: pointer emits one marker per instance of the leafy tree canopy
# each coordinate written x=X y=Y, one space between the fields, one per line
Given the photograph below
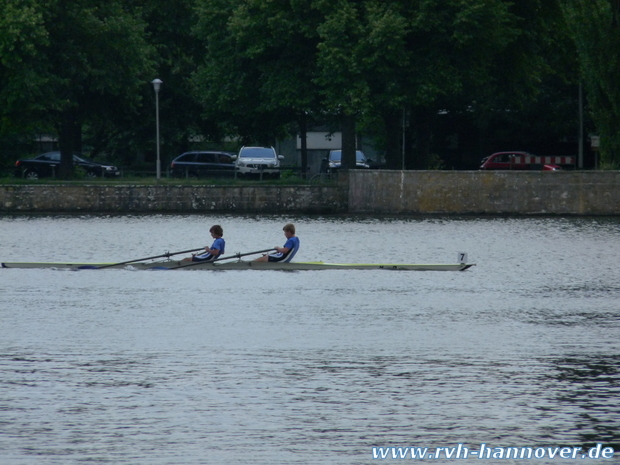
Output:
x=595 y=28
x=70 y=60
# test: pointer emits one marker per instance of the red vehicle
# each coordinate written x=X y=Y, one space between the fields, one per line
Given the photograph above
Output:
x=524 y=161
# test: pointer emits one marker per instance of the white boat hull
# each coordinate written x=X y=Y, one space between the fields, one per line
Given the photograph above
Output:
x=245 y=265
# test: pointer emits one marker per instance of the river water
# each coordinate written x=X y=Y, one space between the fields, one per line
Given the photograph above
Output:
x=310 y=367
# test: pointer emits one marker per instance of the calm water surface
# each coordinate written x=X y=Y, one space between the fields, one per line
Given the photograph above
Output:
x=312 y=367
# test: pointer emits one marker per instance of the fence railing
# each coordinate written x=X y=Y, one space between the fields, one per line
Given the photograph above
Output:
x=294 y=171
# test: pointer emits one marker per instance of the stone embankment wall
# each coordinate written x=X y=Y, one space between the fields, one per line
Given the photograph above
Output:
x=362 y=191
x=485 y=192
x=182 y=199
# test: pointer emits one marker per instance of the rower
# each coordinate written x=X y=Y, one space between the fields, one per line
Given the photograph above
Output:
x=213 y=252
x=286 y=253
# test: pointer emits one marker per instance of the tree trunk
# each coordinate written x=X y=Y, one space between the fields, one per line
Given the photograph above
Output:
x=392 y=120
x=303 y=135
x=348 y=142
x=68 y=135
x=422 y=133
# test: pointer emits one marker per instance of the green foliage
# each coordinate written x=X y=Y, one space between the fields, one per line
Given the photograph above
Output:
x=84 y=50
x=169 y=31
x=22 y=74
x=609 y=165
x=595 y=28
x=455 y=44
x=436 y=163
x=67 y=63
x=288 y=174
x=263 y=69
x=341 y=75
x=79 y=173
x=257 y=67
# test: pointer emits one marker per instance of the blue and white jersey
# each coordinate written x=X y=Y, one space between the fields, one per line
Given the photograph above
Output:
x=293 y=245
x=218 y=244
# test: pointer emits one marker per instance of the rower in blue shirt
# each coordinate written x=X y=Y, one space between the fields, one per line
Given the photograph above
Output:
x=284 y=254
x=213 y=252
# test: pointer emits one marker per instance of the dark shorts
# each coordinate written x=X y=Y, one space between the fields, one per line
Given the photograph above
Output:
x=277 y=258
x=203 y=259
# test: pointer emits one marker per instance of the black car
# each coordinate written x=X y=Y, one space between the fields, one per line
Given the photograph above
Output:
x=47 y=164
x=203 y=164
x=333 y=161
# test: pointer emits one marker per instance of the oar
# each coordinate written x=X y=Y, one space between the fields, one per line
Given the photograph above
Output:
x=237 y=255
x=167 y=254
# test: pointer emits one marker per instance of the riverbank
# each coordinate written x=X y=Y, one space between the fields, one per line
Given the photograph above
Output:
x=361 y=191
x=486 y=192
x=137 y=198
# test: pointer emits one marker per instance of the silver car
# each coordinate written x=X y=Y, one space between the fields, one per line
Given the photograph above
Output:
x=258 y=161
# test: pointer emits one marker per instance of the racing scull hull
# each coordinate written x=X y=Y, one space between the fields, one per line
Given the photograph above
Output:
x=244 y=265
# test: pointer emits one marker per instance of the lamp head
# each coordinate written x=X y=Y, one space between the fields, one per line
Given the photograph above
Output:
x=157 y=84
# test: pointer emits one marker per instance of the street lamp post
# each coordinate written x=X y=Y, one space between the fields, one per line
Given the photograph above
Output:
x=157 y=85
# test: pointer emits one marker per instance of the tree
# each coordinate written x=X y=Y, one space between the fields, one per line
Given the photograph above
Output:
x=88 y=57
x=22 y=73
x=259 y=65
x=227 y=80
x=170 y=32
x=459 y=51
x=279 y=37
x=176 y=55
x=595 y=28
x=371 y=60
x=340 y=71
x=387 y=57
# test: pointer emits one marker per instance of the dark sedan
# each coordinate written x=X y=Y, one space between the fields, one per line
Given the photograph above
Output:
x=47 y=164
x=334 y=160
x=203 y=164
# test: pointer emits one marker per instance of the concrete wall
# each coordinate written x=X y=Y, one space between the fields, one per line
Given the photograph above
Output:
x=485 y=192
x=98 y=198
x=380 y=192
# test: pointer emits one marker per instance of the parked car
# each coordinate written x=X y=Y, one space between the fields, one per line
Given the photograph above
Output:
x=517 y=161
x=203 y=164
x=257 y=161
x=46 y=165
x=334 y=160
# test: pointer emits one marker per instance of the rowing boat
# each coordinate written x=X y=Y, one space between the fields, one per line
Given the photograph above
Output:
x=244 y=265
